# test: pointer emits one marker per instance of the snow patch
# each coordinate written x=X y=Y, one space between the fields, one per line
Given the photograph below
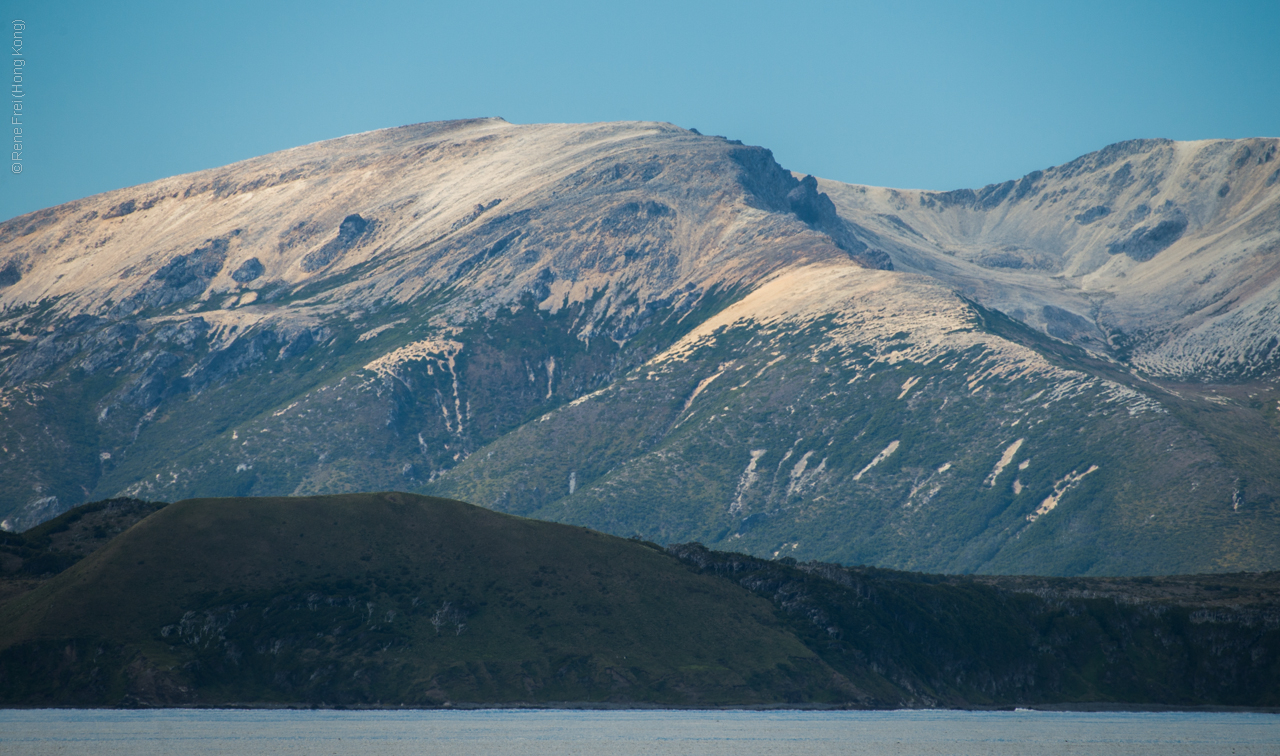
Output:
x=440 y=351
x=748 y=477
x=1005 y=459
x=797 y=472
x=372 y=332
x=882 y=456
x=698 y=390
x=587 y=397
x=912 y=381
x=1059 y=490
x=427 y=349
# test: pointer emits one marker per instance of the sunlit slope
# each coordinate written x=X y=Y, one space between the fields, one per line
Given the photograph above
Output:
x=528 y=264
x=1164 y=254
x=861 y=416
x=624 y=215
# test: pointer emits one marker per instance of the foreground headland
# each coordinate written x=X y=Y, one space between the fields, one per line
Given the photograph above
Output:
x=390 y=599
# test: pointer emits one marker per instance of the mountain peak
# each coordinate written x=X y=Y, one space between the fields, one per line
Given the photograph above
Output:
x=646 y=330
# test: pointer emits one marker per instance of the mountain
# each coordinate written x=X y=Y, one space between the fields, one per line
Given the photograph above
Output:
x=648 y=331
x=1163 y=255
x=396 y=599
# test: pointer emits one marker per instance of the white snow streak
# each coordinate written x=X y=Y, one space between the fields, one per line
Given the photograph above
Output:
x=748 y=478
x=1059 y=489
x=1005 y=459
x=882 y=456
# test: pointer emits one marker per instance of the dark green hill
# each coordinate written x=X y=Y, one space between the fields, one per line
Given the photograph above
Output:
x=389 y=599
x=27 y=558
x=961 y=641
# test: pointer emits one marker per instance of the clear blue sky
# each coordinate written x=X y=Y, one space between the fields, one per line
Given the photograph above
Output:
x=935 y=95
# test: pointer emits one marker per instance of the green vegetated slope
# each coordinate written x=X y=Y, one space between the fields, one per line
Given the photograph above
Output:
x=322 y=424
x=812 y=440
x=965 y=641
x=392 y=598
x=27 y=558
x=389 y=599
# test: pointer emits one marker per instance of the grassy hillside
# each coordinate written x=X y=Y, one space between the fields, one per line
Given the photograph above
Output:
x=27 y=558
x=391 y=598
x=943 y=640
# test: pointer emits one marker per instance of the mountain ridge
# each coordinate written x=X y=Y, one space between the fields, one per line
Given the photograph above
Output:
x=1122 y=206
x=638 y=328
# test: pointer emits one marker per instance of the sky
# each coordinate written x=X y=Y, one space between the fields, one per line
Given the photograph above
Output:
x=928 y=95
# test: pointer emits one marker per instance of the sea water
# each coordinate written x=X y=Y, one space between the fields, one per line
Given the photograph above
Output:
x=35 y=732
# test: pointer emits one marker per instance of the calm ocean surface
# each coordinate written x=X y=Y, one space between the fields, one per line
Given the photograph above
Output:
x=627 y=733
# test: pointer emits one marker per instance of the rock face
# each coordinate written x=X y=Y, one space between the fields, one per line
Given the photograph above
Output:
x=1165 y=255
x=646 y=330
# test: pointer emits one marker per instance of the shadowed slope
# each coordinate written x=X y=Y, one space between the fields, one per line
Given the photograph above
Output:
x=391 y=597
x=395 y=599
